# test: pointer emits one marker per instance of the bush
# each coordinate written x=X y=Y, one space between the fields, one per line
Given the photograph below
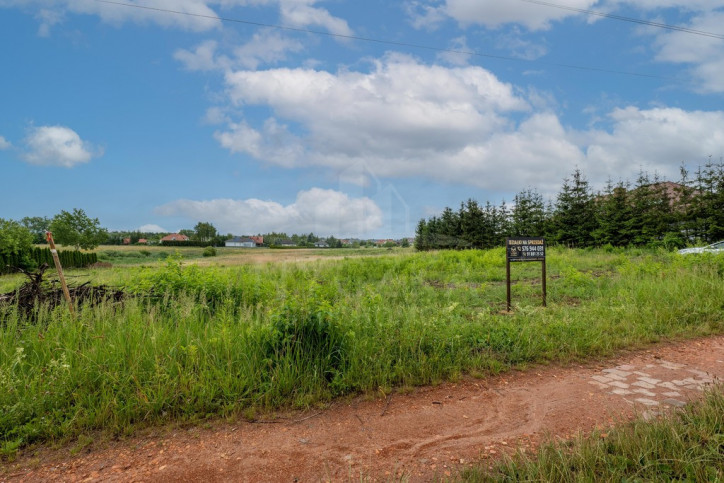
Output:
x=209 y=252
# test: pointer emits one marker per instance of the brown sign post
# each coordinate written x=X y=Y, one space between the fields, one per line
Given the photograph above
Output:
x=525 y=250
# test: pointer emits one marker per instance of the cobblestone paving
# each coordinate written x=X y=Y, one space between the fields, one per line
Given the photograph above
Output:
x=662 y=383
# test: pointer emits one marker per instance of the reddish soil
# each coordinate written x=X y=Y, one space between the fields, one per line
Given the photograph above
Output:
x=426 y=433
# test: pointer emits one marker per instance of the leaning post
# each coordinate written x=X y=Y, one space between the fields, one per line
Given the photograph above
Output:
x=54 y=252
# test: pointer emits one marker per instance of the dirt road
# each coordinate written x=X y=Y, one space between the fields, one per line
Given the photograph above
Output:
x=428 y=432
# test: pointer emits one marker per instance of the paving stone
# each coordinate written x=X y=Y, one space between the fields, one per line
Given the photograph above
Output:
x=703 y=374
x=625 y=367
x=690 y=380
x=671 y=394
x=678 y=383
x=619 y=384
x=647 y=402
x=671 y=365
x=616 y=372
x=602 y=379
x=643 y=384
x=639 y=373
x=650 y=380
x=674 y=402
x=669 y=385
x=645 y=392
x=621 y=392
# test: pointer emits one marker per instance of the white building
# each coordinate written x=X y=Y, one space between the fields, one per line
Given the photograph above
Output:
x=240 y=242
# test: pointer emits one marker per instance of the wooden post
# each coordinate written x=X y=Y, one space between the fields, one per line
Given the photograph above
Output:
x=507 y=278
x=58 y=267
x=543 y=282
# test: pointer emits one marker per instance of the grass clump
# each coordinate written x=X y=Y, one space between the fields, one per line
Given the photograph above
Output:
x=686 y=445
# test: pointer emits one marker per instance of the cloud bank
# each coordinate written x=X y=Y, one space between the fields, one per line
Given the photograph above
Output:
x=321 y=211
x=460 y=125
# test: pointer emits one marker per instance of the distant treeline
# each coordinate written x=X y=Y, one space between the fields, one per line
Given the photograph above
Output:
x=34 y=257
x=650 y=212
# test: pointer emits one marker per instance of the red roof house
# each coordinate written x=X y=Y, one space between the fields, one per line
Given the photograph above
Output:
x=175 y=237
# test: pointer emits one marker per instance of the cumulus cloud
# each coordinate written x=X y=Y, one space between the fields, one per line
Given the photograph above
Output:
x=655 y=139
x=317 y=210
x=57 y=146
x=151 y=228
x=4 y=143
x=459 y=125
x=705 y=55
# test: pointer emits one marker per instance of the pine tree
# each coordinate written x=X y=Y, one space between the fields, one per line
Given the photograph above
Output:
x=528 y=214
x=574 y=219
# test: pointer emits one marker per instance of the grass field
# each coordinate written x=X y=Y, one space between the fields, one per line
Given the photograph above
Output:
x=231 y=338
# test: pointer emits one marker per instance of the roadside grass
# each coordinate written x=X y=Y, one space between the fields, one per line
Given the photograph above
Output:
x=685 y=445
x=207 y=342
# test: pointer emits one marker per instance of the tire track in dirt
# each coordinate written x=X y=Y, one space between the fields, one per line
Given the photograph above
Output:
x=429 y=432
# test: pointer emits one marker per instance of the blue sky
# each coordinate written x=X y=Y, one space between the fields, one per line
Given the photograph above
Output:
x=157 y=120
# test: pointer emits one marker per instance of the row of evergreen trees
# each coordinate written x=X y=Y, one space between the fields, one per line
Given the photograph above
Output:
x=649 y=212
x=36 y=256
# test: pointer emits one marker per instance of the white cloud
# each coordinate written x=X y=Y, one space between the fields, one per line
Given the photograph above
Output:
x=458 y=125
x=193 y=15
x=202 y=58
x=53 y=12
x=48 y=18
x=317 y=210
x=655 y=140
x=704 y=54
x=492 y=13
x=57 y=146
x=265 y=47
x=4 y=143
x=150 y=228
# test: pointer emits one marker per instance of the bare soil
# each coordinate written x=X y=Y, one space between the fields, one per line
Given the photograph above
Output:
x=419 y=435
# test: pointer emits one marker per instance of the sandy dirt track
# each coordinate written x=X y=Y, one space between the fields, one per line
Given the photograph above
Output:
x=426 y=433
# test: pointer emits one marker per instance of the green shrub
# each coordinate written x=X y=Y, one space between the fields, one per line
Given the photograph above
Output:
x=209 y=252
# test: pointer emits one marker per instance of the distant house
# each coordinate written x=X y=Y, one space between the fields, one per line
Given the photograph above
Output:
x=286 y=243
x=142 y=241
x=240 y=242
x=321 y=244
x=126 y=241
x=259 y=240
x=175 y=237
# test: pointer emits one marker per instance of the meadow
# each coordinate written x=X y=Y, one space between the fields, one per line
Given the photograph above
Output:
x=230 y=336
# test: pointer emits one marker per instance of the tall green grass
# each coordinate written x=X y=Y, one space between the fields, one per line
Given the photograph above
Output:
x=687 y=445
x=216 y=342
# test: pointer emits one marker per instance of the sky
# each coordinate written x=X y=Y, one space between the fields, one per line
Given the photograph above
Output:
x=341 y=117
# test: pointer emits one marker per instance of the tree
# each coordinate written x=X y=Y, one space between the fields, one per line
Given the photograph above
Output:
x=14 y=238
x=528 y=216
x=574 y=220
x=204 y=231
x=37 y=225
x=77 y=229
x=613 y=212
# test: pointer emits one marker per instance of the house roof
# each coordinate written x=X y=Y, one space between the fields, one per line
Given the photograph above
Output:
x=175 y=237
x=241 y=239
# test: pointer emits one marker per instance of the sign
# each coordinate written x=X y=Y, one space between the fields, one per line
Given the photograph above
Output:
x=526 y=249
